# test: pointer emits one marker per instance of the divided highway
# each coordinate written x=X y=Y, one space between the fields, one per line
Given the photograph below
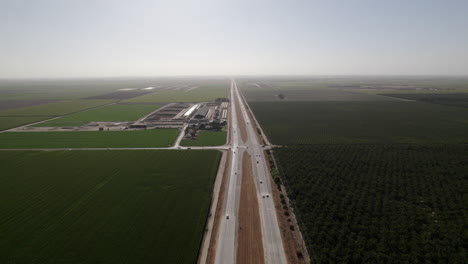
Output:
x=271 y=237
x=226 y=245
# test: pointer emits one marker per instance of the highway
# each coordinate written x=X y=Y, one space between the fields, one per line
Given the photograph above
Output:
x=271 y=237
x=226 y=246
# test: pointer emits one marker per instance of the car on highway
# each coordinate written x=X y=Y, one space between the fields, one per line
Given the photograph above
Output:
x=227 y=216
x=261 y=181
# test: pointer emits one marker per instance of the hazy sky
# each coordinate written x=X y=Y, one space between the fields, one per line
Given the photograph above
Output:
x=79 y=38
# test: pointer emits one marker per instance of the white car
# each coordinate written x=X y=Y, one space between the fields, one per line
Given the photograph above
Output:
x=227 y=216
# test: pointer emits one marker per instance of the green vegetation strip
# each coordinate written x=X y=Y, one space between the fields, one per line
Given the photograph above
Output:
x=104 y=206
x=93 y=139
x=109 y=113
x=379 y=203
x=361 y=122
x=55 y=109
x=207 y=138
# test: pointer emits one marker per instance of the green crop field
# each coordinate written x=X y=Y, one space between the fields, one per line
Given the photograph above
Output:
x=203 y=92
x=89 y=139
x=206 y=138
x=311 y=95
x=55 y=109
x=66 y=89
x=379 y=203
x=106 y=113
x=7 y=122
x=104 y=206
x=453 y=99
x=361 y=122
x=369 y=84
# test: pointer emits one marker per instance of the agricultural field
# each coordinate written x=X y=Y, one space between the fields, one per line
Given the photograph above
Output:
x=374 y=167
x=66 y=89
x=192 y=92
x=311 y=95
x=379 y=203
x=7 y=122
x=151 y=138
x=104 y=206
x=453 y=99
x=115 y=88
x=110 y=113
x=207 y=138
x=56 y=108
x=367 y=84
x=291 y=123
x=12 y=104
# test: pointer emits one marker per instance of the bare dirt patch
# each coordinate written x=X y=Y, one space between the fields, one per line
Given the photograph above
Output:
x=218 y=214
x=249 y=235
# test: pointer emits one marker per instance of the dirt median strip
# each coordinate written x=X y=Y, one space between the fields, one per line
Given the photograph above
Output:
x=241 y=122
x=249 y=242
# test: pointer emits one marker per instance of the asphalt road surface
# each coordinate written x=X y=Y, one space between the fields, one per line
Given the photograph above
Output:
x=272 y=242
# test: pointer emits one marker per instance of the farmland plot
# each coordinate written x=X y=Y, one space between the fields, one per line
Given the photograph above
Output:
x=12 y=104
x=313 y=95
x=194 y=92
x=7 y=122
x=104 y=206
x=90 y=139
x=361 y=122
x=379 y=203
x=66 y=89
x=55 y=109
x=111 y=113
x=453 y=99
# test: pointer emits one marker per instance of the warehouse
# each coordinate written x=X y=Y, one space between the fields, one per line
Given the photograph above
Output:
x=201 y=112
